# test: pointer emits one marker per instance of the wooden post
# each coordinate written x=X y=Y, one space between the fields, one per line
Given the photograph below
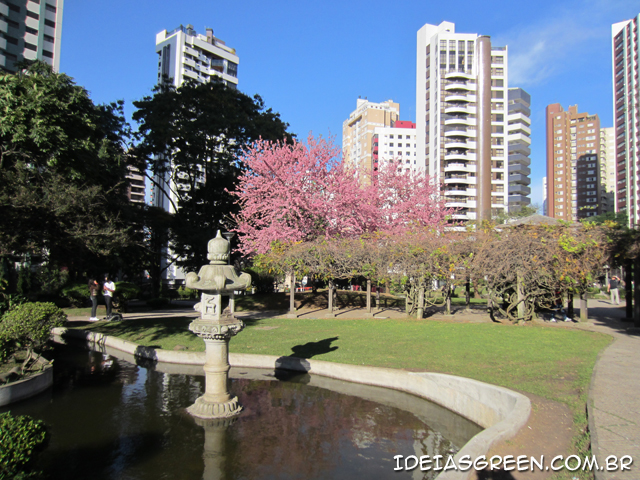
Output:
x=584 y=306
x=570 y=312
x=368 y=295
x=636 y=293
x=468 y=293
x=628 y=297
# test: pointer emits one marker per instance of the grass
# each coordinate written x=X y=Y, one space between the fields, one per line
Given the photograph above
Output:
x=554 y=363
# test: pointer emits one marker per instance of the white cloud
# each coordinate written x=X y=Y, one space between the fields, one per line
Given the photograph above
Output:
x=564 y=35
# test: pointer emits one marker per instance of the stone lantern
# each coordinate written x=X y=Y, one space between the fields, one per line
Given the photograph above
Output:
x=216 y=326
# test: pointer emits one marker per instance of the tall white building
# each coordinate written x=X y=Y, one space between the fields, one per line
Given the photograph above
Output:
x=626 y=115
x=608 y=168
x=397 y=145
x=470 y=134
x=184 y=54
x=30 y=30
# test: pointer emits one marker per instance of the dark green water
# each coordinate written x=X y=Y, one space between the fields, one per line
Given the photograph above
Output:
x=111 y=419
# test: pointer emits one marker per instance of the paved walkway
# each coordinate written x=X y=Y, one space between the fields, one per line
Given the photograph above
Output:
x=614 y=395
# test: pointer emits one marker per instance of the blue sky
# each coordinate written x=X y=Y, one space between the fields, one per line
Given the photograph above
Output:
x=311 y=60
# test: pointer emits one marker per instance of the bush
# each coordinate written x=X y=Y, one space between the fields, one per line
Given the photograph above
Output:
x=185 y=292
x=77 y=295
x=263 y=283
x=21 y=439
x=30 y=324
x=127 y=291
x=157 y=303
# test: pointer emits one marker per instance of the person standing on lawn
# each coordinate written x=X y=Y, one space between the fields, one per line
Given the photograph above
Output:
x=94 y=288
x=107 y=291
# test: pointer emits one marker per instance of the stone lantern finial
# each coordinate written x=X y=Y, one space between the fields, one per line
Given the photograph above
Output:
x=218 y=250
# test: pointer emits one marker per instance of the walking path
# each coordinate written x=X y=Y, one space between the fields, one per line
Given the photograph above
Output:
x=614 y=394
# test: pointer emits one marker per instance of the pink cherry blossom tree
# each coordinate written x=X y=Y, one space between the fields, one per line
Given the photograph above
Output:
x=292 y=192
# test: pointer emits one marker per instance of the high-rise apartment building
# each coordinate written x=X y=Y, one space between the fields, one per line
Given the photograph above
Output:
x=358 y=131
x=472 y=134
x=626 y=115
x=396 y=145
x=608 y=168
x=30 y=30
x=184 y=54
x=574 y=181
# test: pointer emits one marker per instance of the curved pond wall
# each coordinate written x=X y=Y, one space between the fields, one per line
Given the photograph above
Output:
x=29 y=387
x=500 y=411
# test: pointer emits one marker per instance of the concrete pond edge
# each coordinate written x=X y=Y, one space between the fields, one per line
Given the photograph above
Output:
x=29 y=387
x=500 y=411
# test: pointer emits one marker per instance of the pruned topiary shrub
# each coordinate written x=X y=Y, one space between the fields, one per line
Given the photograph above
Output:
x=77 y=294
x=28 y=326
x=126 y=291
x=21 y=439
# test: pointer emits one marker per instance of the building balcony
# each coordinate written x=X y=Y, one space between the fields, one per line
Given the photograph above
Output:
x=519 y=148
x=518 y=137
x=460 y=120
x=459 y=131
x=458 y=109
x=460 y=75
x=459 y=97
x=519 y=190
x=519 y=169
x=459 y=191
x=516 y=200
x=518 y=159
x=460 y=86
x=519 y=178
x=459 y=179
x=457 y=142
x=459 y=155
x=459 y=167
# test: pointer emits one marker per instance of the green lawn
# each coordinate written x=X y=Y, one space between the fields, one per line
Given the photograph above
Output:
x=555 y=363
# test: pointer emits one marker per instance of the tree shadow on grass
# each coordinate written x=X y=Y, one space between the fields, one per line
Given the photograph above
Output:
x=312 y=349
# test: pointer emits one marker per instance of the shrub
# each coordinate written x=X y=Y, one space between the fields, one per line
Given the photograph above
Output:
x=30 y=324
x=185 y=292
x=21 y=439
x=262 y=282
x=77 y=295
x=127 y=291
x=157 y=303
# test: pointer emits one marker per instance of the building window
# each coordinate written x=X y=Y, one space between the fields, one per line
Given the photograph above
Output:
x=50 y=23
x=14 y=8
x=50 y=8
x=49 y=38
x=33 y=15
x=32 y=31
x=30 y=46
x=47 y=54
x=11 y=40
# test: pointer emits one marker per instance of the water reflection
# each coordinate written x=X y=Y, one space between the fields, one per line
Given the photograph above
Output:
x=112 y=419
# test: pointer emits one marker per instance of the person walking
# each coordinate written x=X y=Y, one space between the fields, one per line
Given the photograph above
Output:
x=107 y=291
x=94 y=288
x=612 y=288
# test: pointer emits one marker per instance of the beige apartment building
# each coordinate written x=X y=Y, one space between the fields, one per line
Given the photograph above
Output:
x=573 y=166
x=358 y=132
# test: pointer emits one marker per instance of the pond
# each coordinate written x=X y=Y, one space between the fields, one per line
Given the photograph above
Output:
x=114 y=419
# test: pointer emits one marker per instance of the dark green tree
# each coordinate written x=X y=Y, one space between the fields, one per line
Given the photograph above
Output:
x=193 y=136
x=62 y=170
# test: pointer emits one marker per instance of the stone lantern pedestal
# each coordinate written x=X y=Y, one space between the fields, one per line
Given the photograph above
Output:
x=216 y=327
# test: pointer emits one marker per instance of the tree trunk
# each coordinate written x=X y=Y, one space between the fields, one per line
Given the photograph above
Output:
x=378 y=298
x=468 y=293
x=292 y=291
x=420 y=314
x=570 y=312
x=330 y=307
x=584 y=307
x=522 y=308
x=628 y=297
x=368 y=295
